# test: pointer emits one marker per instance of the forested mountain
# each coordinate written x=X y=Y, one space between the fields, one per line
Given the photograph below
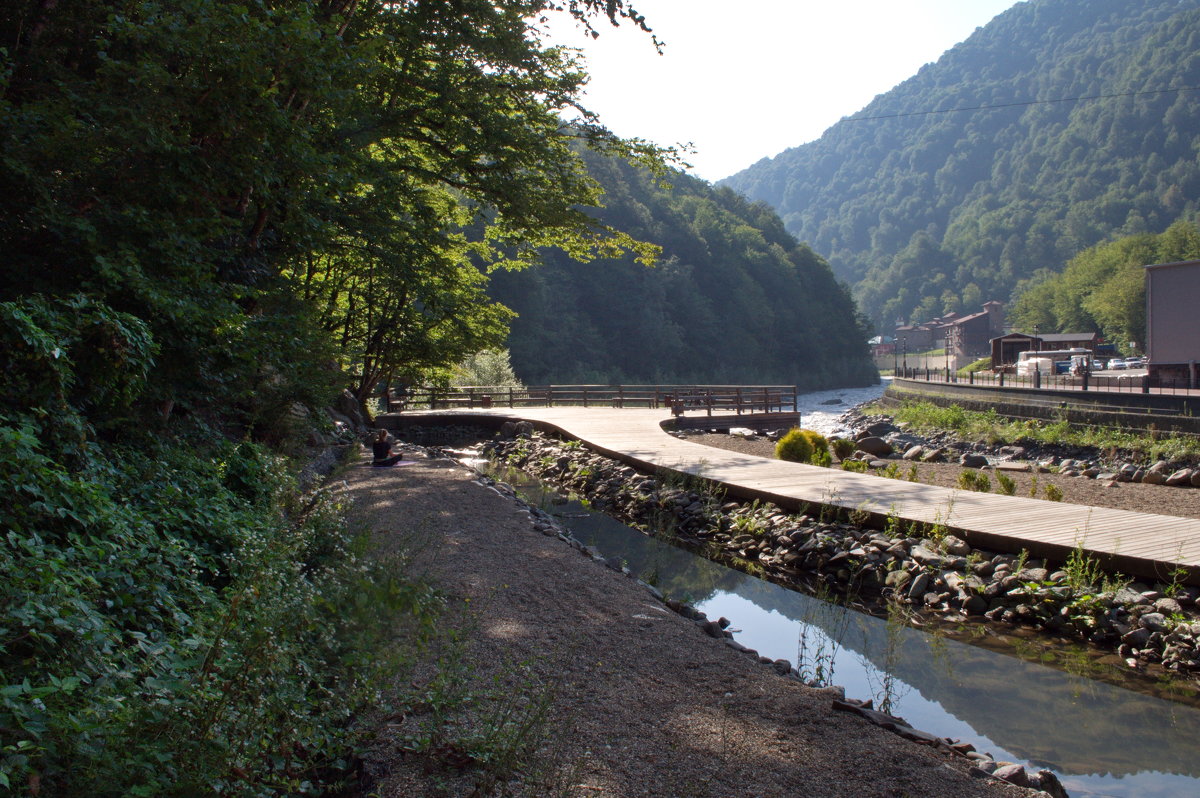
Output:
x=1083 y=126
x=734 y=297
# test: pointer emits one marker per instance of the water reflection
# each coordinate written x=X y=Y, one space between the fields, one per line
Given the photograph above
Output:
x=1101 y=739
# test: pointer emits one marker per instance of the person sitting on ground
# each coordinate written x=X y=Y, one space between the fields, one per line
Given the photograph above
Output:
x=382 y=448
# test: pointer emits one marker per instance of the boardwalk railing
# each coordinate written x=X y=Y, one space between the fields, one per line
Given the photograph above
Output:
x=1107 y=382
x=737 y=399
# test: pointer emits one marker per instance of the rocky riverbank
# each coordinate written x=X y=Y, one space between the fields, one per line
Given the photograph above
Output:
x=926 y=571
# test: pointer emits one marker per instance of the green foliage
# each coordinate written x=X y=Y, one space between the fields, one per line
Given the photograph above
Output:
x=729 y=278
x=1053 y=492
x=1103 y=288
x=990 y=426
x=171 y=615
x=1006 y=485
x=489 y=367
x=924 y=213
x=857 y=466
x=842 y=447
x=794 y=446
x=211 y=213
x=820 y=448
x=969 y=479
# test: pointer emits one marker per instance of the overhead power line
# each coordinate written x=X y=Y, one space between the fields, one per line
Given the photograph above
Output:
x=1016 y=105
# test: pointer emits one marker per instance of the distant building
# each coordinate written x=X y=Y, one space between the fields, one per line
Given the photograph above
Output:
x=1070 y=341
x=1006 y=348
x=965 y=336
x=1172 y=321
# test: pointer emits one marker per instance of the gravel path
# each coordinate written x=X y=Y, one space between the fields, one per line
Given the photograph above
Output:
x=641 y=702
x=1183 y=502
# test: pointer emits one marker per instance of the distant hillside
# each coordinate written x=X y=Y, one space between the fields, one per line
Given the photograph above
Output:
x=924 y=213
x=734 y=299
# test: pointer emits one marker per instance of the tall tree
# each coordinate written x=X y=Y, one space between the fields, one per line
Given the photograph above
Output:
x=189 y=162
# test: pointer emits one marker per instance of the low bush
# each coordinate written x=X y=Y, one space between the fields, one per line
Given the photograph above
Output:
x=795 y=446
x=820 y=448
x=842 y=447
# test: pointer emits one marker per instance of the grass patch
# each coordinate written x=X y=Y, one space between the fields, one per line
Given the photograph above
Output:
x=990 y=426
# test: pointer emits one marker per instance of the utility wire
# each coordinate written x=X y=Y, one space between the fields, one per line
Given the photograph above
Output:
x=1016 y=105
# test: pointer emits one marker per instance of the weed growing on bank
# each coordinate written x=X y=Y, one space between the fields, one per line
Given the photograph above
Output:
x=995 y=429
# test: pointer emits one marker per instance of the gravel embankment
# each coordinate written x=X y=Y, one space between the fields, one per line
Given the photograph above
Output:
x=641 y=701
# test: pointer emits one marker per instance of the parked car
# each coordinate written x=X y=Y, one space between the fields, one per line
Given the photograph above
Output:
x=1135 y=362
x=1117 y=364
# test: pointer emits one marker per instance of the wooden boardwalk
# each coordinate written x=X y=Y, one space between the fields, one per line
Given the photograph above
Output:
x=1139 y=544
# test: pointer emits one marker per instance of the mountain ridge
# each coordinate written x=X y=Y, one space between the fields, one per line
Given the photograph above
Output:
x=936 y=211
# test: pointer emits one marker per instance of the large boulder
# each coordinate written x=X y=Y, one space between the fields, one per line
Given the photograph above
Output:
x=1181 y=477
x=875 y=445
x=347 y=404
x=973 y=460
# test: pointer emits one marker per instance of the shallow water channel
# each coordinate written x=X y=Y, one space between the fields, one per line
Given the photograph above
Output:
x=1101 y=739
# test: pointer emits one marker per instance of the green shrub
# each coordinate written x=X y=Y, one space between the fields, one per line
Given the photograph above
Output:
x=1053 y=493
x=1007 y=485
x=857 y=466
x=820 y=446
x=179 y=620
x=795 y=446
x=842 y=447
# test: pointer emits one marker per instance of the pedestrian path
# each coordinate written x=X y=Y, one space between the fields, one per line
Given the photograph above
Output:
x=1145 y=545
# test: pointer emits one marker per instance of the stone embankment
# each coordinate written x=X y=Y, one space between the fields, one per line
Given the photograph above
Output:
x=924 y=571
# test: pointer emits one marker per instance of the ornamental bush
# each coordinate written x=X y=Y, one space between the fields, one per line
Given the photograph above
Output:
x=820 y=455
x=795 y=446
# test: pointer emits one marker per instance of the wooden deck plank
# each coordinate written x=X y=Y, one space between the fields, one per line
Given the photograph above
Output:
x=1153 y=544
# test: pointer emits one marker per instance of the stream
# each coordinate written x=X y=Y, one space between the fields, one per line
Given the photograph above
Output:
x=1102 y=740
x=1104 y=732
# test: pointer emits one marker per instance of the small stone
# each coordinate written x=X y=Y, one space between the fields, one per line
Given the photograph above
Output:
x=1154 y=621
x=1168 y=606
x=955 y=546
x=914 y=453
x=975 y=605
x=920 y=584
x=925 y=556
x=973 y=460
x=1034 y=575
x=1013 y=774
x=1153 y=478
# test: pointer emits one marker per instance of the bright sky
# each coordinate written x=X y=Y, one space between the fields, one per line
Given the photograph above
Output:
x=746 y=80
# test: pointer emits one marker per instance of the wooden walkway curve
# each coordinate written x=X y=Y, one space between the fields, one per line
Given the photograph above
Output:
x=1138 y=544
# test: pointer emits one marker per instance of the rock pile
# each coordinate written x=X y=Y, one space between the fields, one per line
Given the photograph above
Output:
x=879 y=437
